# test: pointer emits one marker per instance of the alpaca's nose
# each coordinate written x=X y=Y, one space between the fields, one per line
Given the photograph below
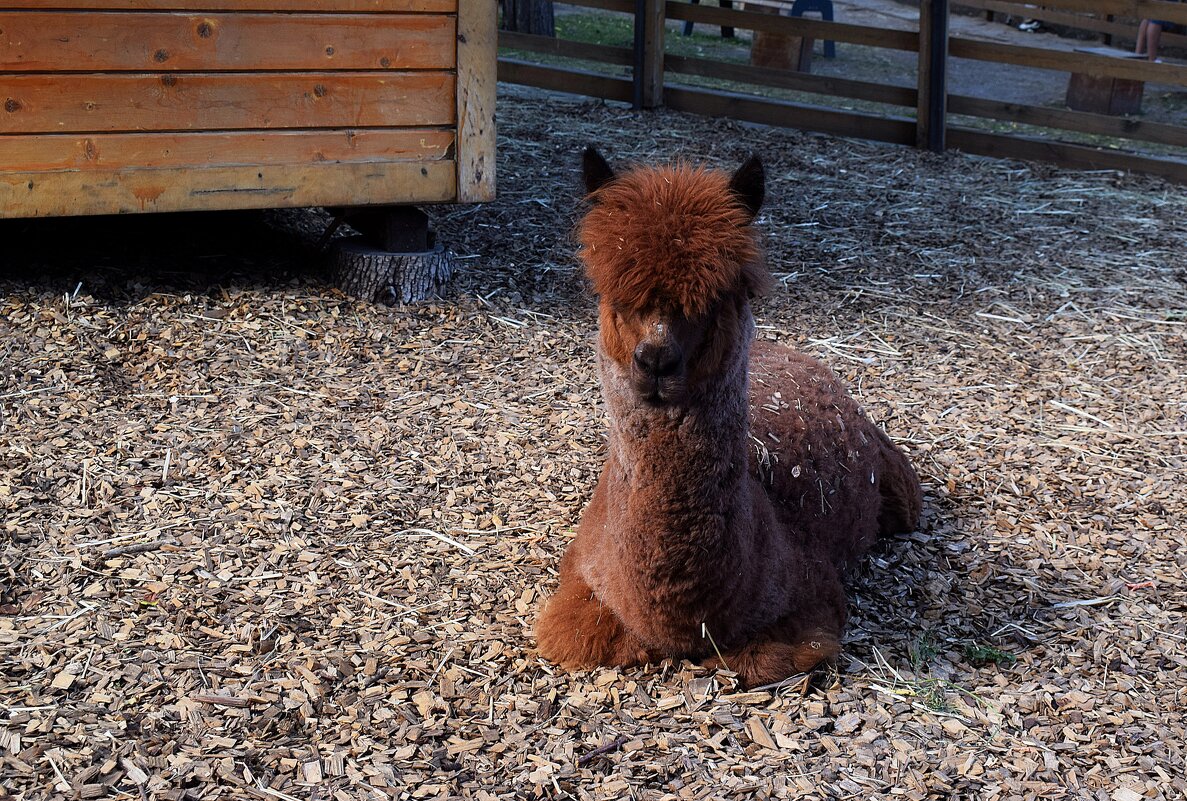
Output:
x=658 y=360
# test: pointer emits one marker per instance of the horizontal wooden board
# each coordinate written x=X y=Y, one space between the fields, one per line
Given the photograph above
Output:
x=42 y=152
x=625 y=6
x=1126 y=29
x=1173 y=11
x=1067 y=155
x=100 y=42
x=791 y=79
x=1088 y=63
x=1109 y=24
x=168 y=102
x=795 y=26
x=1084 y=122
x=355 y=6
x=790 y=115
x=739 y=17
x=568 y=48
x=53 y=194
x=1134 y=9
x=578 y=82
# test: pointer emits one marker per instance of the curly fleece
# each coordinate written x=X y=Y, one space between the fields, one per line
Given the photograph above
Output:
x=720 y=526
x=669 y=237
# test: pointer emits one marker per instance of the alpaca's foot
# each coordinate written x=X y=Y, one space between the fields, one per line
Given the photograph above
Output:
x=771 y=661
x=576 y=630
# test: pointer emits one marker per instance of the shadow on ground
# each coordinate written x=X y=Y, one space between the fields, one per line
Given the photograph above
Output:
x=125 y=258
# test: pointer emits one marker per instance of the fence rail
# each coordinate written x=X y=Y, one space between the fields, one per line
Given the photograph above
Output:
x=1107 y=24
x=922 y=114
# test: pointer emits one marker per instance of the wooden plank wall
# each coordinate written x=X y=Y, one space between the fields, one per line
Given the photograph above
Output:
x=155 y=105
x=888 y=124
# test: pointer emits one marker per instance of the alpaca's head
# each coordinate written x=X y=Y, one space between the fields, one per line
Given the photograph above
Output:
x=674 y=260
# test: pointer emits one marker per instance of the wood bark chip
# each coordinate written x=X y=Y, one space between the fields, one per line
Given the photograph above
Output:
x=602 y=750
x=369 y=502
x=140 y=547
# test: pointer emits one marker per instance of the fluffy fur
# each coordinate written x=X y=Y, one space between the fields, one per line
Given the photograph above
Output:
x=740 y=480
x=665 y=236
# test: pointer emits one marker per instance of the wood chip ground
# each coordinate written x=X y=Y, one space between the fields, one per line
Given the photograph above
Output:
x=261 y=541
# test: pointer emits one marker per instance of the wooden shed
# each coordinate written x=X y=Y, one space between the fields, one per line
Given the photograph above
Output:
x=117 y=106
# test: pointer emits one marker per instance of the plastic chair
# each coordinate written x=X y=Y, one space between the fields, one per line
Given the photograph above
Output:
x=825 y=9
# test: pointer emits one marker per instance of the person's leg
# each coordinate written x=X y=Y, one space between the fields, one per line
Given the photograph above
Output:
x=1153 y=39
x=1140 y=48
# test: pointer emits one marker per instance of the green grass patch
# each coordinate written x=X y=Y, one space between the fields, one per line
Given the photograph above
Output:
x=979 y=655
x=923 y=651
x=607 y=29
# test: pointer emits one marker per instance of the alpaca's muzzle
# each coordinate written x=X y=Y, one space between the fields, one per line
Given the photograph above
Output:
x=660 y=360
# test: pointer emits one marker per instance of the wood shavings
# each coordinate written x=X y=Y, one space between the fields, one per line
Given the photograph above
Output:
x=261 y=541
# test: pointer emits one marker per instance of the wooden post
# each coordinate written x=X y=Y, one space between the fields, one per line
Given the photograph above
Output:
x=649 y=53
x=476 y=47
x=932 y=110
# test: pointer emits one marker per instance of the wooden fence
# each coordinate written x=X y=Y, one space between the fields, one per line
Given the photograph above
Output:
x=1106 y=25
x=921 y=115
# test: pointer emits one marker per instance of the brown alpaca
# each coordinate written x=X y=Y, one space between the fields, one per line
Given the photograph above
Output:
x=729 y=504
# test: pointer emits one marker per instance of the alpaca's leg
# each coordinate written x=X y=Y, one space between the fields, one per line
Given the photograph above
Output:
x=767 y=661
x=806 y=637
x=576 y=630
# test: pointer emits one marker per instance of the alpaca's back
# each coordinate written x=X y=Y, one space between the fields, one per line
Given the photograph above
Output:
x=834 y=475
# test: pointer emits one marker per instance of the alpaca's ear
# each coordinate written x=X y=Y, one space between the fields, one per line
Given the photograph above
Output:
x=596 y=171
x=748 y=185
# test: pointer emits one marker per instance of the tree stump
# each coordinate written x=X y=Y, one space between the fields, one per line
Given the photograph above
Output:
x=364 y=271
x=779 y=50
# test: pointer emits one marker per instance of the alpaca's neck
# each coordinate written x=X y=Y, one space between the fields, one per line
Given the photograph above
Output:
x=683 y=468
x=683 y=518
